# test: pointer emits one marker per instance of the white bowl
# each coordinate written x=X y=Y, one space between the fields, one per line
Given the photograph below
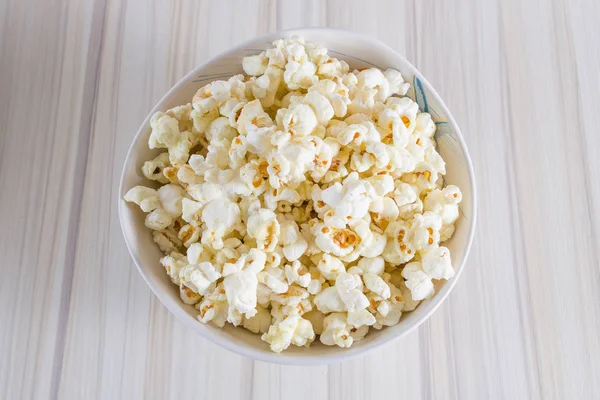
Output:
x=358 y=51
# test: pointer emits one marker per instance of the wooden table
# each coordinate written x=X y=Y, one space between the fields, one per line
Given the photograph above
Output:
x=77 y=321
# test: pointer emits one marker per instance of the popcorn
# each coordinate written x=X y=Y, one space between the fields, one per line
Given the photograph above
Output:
x=384 y=209
x=296 y=273
x=376 y=285
x=292 y=330
x=188 y=296
x=211 y=96
x=417 y=281
x=426 y=230
x=260 y=322
x=299 y=120
x=396 y=82
x=360 y=318
x=315 y=317
x=214 y=307
x=274 y=279
x=350 y=199
x=300 y=199
x=146 y=198
x=265 y=87
x=171 y=197
x=336 y=331
x=445 y=204
x=294 y=244
x=252 y=117
x=199 y=278
x=241 y=282
x=189 y=234
x=158 y=219
x=436 y=263
x=220 y=216
x=173 y=263
x=153 y=169
x=167 y=241
x=255 y=65
x=399 y=249
x=332 y=68
x=264 y=227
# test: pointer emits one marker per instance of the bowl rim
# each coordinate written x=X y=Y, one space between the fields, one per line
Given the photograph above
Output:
x=176 y=308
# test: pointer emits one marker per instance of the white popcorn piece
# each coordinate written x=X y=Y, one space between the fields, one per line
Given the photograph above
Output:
x=339 y=242
x=349 y=288
x=445 y=204
x=173 y=263
x=384 y=208
x=241 y=285
x=426 y=230
x=373 y=78
x=211 y=96
x=350 y=199
x=199 y=277
x=189 y=234
x=274 y=279
x=166 y=240
x=321 y=106
x=297 y=273
x=417 y=281
x=146 y=198
x=191 y=211
x=376 y=285
x=214 y=307
x=337 y=94
x=158 y=220
x=252 y=117
x=316 y=318
x=396 y=82
x=265 y=87
x=360 y=318
x=153 y=169
x=188 y=296
x=368 y=243
x=328 y=300
x=294 y=244
x=187 y=176
x=292 y=330
x=314 y=286
x=171 y=197
x=197 y=254
x=220 y=217
x=436 y=263
x=332 y=67
x=409 y=304
x=399 y=249
x=375 y=247
x=336 y=331
x=264 y=227
x=300 y=75
x=330 y=266
x=255 y=65
x=259 y=323
x=299 y=120
x=375 y=265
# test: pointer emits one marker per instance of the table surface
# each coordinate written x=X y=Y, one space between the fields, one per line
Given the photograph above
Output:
x=78 y=322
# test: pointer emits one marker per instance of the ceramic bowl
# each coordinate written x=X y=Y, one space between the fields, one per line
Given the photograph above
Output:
x=359 y=51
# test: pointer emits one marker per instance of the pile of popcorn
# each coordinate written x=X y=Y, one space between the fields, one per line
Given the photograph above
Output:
x=303 y=199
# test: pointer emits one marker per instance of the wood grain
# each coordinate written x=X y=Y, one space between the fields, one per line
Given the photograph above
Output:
x=78 y=322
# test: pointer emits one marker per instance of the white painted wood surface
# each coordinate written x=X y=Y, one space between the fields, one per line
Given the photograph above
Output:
x=522 y=79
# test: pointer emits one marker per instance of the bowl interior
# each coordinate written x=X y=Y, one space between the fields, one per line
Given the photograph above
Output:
x=358 y=51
